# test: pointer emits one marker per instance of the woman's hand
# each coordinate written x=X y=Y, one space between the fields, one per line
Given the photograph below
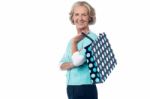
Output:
x=66 y=66
x=77 y=38
x=75 y=41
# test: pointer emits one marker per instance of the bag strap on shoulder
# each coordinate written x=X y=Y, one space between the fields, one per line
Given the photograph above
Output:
x=87 y=37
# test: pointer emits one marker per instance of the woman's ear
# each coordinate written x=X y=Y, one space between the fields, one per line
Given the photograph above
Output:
x=90 y=19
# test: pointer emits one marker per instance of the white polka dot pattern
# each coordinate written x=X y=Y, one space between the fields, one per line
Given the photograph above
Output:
x=100 y=58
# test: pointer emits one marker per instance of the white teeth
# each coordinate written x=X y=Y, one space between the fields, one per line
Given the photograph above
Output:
x=81 y=23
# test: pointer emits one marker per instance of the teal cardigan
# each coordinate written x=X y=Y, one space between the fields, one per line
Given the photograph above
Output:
x=79 y=75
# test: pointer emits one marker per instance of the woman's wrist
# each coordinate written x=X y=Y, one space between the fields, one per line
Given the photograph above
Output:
x=74 y=42
x=74 y=47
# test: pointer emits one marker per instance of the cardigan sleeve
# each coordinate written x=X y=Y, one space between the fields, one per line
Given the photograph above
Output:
x=65 y=58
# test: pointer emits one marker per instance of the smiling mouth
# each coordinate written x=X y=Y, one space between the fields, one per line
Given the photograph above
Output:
x=80 y=23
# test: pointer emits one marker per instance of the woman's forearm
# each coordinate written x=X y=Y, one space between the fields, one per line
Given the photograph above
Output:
x=74 y=47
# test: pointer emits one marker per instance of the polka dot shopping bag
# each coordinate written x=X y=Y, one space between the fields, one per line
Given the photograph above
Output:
x=100 y=58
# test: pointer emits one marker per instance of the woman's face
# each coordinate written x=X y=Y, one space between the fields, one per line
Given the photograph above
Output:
x=81 y=17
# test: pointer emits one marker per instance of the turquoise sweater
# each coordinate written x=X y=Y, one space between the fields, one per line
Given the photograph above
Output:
x=79 y=75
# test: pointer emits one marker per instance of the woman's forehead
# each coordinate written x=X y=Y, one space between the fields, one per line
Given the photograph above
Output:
x=80 y=9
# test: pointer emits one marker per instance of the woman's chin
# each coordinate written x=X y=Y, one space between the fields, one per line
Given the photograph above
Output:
x=81 y=27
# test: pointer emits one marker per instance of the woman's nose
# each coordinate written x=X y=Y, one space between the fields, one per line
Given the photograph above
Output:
x=80 y=17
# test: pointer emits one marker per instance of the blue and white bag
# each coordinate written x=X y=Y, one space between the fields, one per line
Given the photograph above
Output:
x=100 y=58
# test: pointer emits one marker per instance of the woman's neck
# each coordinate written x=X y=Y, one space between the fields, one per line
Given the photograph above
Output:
x=86 y=30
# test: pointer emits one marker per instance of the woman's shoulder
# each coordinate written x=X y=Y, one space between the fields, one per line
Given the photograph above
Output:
x=92 y=35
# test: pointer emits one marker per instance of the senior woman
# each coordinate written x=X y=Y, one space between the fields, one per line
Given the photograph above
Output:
x=79 y=85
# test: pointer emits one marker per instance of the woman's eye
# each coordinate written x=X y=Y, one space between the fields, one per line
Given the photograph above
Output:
x=76 y=14
x=84 y=14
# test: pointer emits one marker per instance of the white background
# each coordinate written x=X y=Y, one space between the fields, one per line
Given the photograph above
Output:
x=34 y=35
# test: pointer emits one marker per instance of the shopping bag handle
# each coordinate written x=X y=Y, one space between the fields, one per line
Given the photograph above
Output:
x=87 y=37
